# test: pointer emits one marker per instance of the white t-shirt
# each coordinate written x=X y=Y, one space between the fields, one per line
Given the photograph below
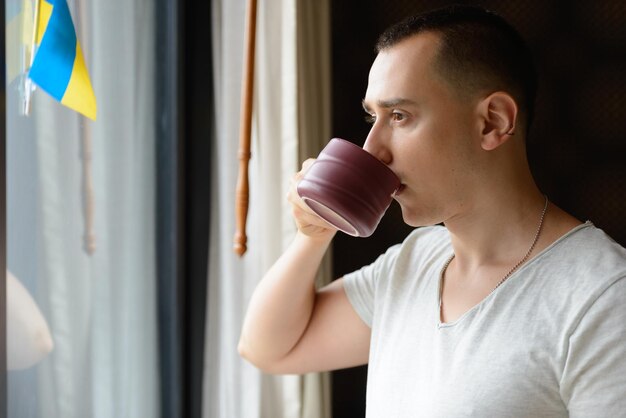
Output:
x=549 y=342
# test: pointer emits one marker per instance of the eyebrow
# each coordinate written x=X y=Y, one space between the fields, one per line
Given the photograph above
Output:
x=399 y=101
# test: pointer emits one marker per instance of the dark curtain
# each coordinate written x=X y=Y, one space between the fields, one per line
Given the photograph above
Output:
x=576 y=146
x=185 y=127
x=3 y=230
x=199 y=131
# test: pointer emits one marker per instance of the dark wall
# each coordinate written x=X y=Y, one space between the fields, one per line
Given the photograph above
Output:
x=577 y=146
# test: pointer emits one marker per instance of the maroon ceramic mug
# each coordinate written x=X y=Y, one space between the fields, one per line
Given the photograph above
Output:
x=348 y=187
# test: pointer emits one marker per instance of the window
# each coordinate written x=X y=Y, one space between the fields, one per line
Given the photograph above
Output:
x=81 y=209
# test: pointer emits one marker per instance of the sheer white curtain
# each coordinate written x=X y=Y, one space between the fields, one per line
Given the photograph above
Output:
x=232 y=387
x=101 y=308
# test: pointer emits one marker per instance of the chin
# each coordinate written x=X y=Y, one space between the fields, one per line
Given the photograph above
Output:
x=412 y=219
x=416 y=218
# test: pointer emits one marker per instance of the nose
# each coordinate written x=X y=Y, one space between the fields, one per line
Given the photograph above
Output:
x=375 y=144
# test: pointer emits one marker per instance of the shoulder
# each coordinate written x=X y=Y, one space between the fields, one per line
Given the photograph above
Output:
x=588 y=256
x=580 y=273
x=414 y=262
x=425 y=241
x=423 y=249
x=422 y=245
x=436 y=234
x=588 y=237
x=595 y=271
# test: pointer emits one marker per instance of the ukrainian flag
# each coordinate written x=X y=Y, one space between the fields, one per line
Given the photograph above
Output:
x=59 y=67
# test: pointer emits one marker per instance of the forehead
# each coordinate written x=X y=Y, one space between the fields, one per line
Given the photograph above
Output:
x=405 y=70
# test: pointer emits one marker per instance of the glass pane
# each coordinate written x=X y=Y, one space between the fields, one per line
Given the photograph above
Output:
x=82 y=339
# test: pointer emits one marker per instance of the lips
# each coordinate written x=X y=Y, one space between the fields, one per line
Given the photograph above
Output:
x=399 y=190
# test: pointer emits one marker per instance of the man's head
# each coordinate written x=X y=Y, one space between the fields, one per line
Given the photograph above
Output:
x=479 y=53
x=443 y=105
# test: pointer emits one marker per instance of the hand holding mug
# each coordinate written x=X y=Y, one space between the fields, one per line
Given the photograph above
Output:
x=307 y=221
x=348 y=187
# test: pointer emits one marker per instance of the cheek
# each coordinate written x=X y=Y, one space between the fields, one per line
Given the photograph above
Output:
x=428 y=148
x=433 y=161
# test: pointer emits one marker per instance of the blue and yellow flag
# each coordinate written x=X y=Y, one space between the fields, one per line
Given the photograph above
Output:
x=59 y=67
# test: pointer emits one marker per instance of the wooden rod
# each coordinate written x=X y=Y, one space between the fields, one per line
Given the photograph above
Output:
x=88 y=190
x=245 y=131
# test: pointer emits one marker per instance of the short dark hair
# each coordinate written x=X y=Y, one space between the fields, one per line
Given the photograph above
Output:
x=480 y=51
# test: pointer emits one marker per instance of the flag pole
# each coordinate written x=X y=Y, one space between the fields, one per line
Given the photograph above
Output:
x=28 y=84
x=245 y=128
x=88 y=189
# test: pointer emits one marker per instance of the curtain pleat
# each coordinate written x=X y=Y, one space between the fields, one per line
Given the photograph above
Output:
x=314 y=131
x=232 y=387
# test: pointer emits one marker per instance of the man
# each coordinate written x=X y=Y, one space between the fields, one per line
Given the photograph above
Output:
x=512 y=308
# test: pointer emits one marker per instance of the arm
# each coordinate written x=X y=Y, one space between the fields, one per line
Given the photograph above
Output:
x=291 y=327
x=594 y=377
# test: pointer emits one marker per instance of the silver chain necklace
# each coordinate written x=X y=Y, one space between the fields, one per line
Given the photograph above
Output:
x=515 y=267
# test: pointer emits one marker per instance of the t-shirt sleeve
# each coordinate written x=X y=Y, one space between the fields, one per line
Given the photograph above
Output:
x=361 y=286
x=594 y=377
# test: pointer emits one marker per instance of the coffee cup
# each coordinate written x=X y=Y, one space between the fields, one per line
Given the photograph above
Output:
x=348 y=187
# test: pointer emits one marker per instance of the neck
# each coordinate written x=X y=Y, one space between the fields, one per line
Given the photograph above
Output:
x=497 y=229
x=495 y=222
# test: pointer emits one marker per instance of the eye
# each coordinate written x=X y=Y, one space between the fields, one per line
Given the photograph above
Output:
x=370 y=119
x=397 y=116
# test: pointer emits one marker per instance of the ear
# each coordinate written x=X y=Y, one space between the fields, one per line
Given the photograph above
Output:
x=498 y=112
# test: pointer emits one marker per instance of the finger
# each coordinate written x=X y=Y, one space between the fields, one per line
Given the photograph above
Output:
x=307 y=164
x=300 y=210
x=307 y=218
x=295 y=200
